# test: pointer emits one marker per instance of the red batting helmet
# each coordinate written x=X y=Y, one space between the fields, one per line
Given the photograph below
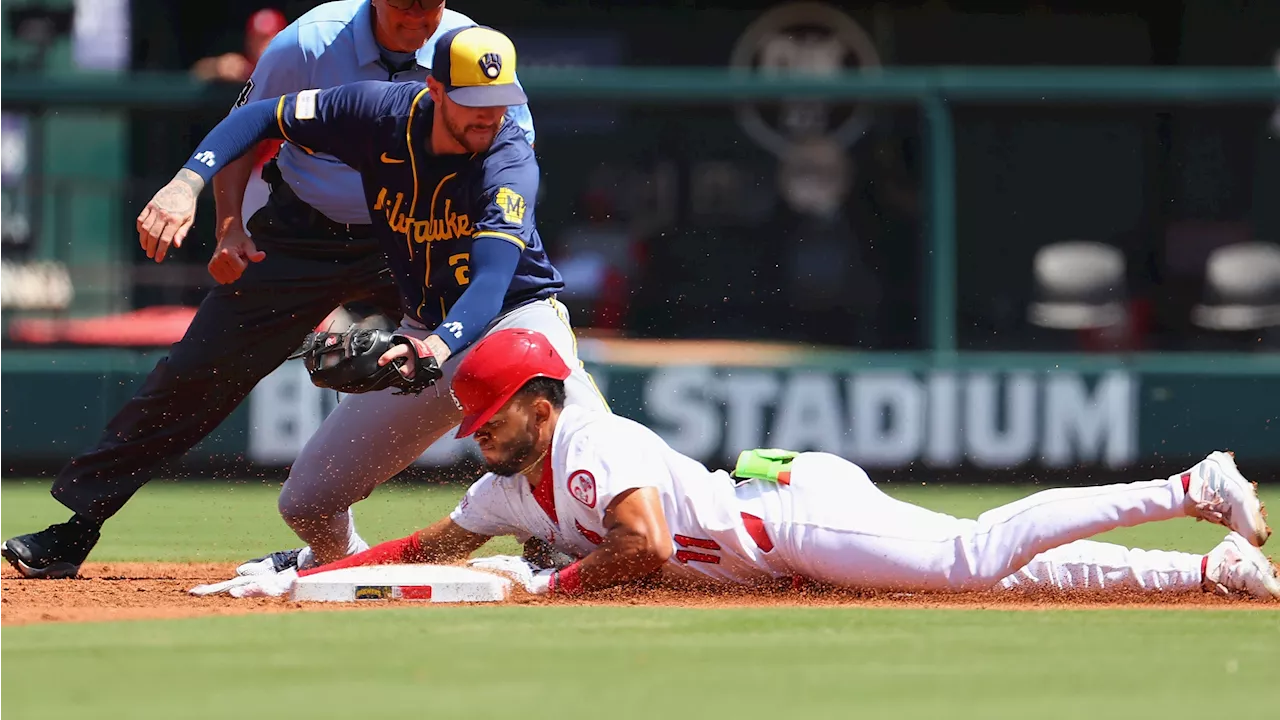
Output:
x=496 y=368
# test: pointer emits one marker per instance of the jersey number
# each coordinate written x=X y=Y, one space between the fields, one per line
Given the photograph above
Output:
x=686 y=556
x=460 y=269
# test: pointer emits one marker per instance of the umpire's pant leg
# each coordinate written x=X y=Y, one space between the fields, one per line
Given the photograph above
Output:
x=240 y=334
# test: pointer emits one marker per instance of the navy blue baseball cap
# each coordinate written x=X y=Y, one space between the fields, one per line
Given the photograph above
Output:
x=477 y=66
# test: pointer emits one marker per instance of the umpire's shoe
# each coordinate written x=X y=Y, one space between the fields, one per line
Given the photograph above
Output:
x=58 y=551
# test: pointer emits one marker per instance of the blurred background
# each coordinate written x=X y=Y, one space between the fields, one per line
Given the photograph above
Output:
x=933 y=236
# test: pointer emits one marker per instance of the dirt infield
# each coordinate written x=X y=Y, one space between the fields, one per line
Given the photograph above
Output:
x=143 y=591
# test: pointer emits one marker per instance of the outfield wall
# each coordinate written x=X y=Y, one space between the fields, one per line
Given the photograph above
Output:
x=988 y=412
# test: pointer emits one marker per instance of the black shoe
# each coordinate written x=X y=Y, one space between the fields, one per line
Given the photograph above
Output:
x=58 y=551
x=276 y=562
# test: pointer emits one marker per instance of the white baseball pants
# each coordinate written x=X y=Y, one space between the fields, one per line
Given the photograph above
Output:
x=371 y=437
x=831 y=524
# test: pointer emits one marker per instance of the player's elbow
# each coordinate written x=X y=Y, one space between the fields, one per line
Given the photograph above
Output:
x=649 y=548
x=660 y=549
x=638 y=531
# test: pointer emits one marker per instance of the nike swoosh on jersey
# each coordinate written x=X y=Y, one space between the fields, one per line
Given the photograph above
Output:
x=389 y=161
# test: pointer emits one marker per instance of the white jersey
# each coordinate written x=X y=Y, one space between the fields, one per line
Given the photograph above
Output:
x=823 y=519
x=596 y=456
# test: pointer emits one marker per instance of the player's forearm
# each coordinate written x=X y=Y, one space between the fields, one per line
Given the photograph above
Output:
x=191 y=180
x=442 y=542
x=228 y=193
x=493 y=264
x=237 y=134
x=391 y=552
x=626 y=555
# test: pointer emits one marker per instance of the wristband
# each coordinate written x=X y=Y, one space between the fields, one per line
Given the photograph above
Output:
x=567 y=581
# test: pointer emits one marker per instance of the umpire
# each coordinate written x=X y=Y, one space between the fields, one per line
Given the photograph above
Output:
x=312 y=249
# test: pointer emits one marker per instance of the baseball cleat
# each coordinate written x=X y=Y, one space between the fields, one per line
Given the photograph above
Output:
x=1217 y=492
x=276 y=562
x=56 y=552
x=1236 y=567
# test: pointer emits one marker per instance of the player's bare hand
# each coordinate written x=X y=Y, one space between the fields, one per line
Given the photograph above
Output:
x=234 y=253
x=167 y=218
x=432 y=346
x=400 y=354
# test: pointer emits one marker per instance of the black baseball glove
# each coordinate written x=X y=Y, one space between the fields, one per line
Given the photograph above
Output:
x=348 y=362
x=540 y=554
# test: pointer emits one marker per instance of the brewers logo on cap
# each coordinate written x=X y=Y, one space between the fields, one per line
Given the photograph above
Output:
x=477 y=66
x=491 y=65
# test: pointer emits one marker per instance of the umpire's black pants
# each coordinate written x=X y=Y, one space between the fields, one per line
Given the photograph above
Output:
x=240 y=334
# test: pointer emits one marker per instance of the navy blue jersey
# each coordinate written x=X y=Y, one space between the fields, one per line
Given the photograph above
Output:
x=427 y=209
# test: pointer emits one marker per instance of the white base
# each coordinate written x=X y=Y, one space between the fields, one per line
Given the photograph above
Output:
x=424 y=583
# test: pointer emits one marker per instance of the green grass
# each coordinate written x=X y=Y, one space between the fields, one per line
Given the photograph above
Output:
x=532 y=662
x=521 y=662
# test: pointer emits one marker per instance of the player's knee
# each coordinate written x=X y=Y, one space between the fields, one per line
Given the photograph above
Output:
x=300 y=509
x=309 y=499
x=985 y=565
x=291 y=510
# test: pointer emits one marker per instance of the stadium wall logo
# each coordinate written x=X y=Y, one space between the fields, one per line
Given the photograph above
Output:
x=881 y=419
x=888 y=419
x=803 y=38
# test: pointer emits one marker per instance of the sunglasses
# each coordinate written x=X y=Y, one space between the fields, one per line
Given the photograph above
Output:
x=408 y=4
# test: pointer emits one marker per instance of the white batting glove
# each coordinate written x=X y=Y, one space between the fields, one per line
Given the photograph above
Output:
x=541 y=582
x=251 y=585
x=511 y=566
x=535 y=581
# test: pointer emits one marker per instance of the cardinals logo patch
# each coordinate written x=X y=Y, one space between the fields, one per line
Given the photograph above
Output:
x=582 y=486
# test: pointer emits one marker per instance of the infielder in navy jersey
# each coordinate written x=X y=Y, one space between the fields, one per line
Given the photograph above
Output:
x=448 y=205
x=280 y=271
x=450 y=181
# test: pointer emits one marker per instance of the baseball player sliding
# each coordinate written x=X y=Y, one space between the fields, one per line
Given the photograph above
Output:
x=613 y=494
x=451 y=181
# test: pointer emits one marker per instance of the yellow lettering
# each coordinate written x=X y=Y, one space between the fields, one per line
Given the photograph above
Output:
x=461 y=270
x=447 y=226
x=393 y=213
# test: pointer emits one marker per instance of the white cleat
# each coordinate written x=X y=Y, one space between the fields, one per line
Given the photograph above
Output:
x=1217 y=492
x=1235 y=567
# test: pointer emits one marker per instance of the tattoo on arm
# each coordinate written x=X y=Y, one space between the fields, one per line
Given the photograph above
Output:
x=191 y=180
x=178 y=198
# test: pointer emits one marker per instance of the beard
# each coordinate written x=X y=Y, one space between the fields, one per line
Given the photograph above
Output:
x=473 y=138
x=519 y=453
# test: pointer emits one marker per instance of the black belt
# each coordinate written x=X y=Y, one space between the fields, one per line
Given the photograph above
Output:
x=302 y=217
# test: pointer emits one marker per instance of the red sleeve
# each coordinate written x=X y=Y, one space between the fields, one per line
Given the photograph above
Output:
x=404 y=550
